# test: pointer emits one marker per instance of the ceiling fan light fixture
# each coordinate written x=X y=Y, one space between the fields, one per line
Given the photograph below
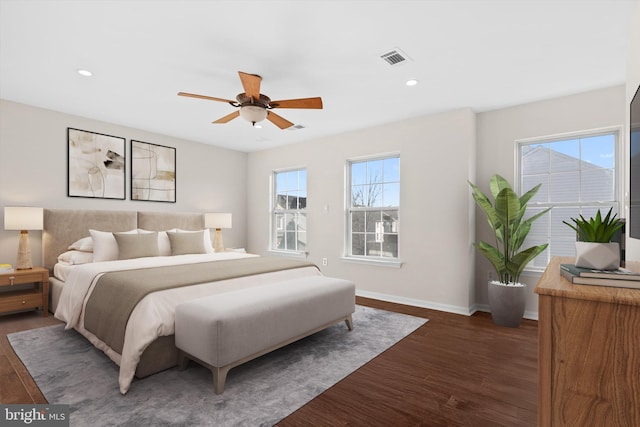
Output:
x=254 y=106
x=253 y=113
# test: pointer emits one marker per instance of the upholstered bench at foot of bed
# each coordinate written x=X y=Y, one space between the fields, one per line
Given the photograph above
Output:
x=226 y=330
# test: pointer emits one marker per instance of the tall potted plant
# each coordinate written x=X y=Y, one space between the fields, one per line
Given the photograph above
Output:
x=507 y=296
x=594 y=248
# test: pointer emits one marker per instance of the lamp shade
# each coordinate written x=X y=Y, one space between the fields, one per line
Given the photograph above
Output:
x=217 y=220
x=22 y=218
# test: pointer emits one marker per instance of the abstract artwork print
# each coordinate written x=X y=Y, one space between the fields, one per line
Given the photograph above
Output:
x=95 y=165
x=153 y=172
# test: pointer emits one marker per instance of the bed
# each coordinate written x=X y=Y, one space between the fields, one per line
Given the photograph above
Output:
x=148 y=340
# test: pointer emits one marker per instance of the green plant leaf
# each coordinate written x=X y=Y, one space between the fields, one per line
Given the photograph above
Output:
x=520 y=235
x=497 y=184
x=596 y=229
x=507 y=206
x=494 y=256
x=487 y=207
x=520 y=260
x=505 y=219
x=524 y=199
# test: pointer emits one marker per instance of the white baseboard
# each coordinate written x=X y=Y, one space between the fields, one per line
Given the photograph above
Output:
x=467 y=311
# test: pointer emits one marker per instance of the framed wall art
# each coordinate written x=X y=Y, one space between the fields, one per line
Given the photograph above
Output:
x=95 y=165
x=153 y=172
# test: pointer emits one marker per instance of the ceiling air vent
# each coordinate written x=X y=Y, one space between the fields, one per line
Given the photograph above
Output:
x=395 y=57
x=296 y=127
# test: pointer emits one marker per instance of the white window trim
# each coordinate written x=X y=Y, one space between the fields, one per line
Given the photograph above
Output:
x=292 y=254
x=378 y=261
x=620 y=185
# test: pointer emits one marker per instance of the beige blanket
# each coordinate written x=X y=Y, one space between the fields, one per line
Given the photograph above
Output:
x=117 y=293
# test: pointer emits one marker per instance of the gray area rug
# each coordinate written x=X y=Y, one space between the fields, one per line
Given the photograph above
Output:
x=69 y=370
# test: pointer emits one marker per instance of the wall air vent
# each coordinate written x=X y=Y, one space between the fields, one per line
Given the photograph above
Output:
x=395 y=57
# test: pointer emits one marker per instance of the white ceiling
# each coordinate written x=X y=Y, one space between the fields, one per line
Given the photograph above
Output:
x=478 y=54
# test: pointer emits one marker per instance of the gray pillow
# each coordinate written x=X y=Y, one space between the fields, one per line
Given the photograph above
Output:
x=187 y=242
x=137 y=245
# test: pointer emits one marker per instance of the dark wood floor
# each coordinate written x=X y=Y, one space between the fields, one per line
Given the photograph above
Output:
x=453 y=371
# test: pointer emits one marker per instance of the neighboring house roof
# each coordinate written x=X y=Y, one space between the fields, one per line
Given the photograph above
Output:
x=541 y=160
x=541 y=154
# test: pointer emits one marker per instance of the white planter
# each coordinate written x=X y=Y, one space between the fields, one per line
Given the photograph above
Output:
x=598 y=256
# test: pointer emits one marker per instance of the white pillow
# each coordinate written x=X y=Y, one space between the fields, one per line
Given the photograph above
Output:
x=164 y=245
x=85 y=245
x=208 y=247
x=105 y=247
x=75 y=257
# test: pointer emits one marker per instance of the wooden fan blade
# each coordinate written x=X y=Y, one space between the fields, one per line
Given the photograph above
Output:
x=281 y=122
x=298 y=103
x=228 y=117
x=210 y=98
x=251 y=84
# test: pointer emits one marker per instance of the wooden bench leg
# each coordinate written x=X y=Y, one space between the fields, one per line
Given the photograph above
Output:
x=219 y=378
x=349 y=322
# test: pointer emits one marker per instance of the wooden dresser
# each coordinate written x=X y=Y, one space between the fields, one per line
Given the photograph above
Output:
x=588 y=352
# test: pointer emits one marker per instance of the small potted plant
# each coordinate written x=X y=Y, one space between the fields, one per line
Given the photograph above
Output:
x=594 y=248
x=507 y=296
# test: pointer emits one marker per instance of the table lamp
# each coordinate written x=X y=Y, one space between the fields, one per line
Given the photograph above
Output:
x=23 y=219
x=217 y=221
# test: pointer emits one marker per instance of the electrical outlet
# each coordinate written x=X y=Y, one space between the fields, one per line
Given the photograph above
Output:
x=324 y=261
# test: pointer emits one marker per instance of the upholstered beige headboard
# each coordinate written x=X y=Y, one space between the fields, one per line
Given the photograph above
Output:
x=160 y=221
x=62 y=227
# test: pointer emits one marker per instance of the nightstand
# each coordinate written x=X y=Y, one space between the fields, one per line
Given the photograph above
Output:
x=38 y=296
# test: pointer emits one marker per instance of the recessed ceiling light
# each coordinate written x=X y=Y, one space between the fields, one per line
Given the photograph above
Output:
x=85 y=73
x=257 y=126
x=411 y=82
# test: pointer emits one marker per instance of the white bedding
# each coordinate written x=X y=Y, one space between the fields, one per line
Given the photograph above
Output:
x=61 y=270
x=154 y=315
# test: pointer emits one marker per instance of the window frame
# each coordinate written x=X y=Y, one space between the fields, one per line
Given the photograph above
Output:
x=619 y=174
x=369 y=259
x=272 y=212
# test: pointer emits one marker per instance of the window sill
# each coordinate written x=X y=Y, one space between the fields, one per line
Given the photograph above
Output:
x=290 y=254
x=371 y=261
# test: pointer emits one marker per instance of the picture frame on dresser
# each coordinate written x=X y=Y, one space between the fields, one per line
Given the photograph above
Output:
x=96 y=165
x=153 y=172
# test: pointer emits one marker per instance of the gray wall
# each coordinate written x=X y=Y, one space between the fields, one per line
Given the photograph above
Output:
x=33 y=171
x=439 y=154
x=496 y=132
x=437 y=157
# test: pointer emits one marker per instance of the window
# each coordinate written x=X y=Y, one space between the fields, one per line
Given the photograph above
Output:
x=373 y=204
x=579 y=175
x=289 y=228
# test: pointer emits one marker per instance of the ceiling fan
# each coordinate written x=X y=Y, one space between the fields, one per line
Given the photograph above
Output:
x=255 y=107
